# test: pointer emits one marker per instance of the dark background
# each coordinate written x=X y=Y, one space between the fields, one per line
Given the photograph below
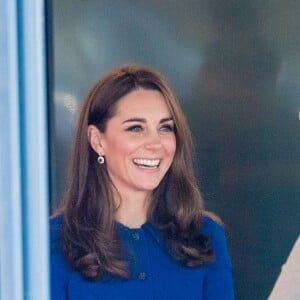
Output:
x=235 y=66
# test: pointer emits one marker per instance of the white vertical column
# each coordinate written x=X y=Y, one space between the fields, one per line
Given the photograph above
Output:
x=24 y=152
x=11 y=253
x=35 y=149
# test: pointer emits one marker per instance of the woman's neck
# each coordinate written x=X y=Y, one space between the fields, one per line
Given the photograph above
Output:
x=132 y=211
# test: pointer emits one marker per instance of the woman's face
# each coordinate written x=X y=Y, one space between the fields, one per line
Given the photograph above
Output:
x=139 y=142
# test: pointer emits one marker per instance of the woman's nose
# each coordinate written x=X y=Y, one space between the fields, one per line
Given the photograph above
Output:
x=153 y=141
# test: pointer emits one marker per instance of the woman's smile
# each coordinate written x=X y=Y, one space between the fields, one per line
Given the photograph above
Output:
x=147 y=163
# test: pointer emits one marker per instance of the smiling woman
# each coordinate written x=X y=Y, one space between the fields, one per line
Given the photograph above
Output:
x=132 y=224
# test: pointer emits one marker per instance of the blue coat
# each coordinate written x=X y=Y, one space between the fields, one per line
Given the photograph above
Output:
x=155 y=274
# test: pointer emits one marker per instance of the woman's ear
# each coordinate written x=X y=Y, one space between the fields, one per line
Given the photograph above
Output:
x=94 y=137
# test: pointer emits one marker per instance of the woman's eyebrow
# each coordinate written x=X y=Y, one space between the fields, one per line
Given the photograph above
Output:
x=142 y=120
x=165 y=120
x=134 y=120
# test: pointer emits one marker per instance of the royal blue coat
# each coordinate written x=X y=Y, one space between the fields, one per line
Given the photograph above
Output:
x=155 y=274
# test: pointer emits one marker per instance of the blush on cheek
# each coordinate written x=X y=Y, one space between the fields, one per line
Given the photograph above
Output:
x=172 y=150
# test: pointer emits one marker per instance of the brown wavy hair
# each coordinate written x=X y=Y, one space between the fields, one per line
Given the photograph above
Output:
x=89 y=237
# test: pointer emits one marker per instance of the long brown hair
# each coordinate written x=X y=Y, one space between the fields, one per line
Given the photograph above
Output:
x=89 y=237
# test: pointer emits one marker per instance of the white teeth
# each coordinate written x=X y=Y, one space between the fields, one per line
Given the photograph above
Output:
x=147 y=162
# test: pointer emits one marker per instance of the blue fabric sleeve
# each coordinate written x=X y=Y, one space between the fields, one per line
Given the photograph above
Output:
x=59 y=269
x=218 y=281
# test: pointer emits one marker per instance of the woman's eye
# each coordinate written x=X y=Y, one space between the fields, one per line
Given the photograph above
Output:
x=135 y=128
x=168 y=128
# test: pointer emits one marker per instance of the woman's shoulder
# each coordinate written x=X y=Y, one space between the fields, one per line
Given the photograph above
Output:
x=211 y=224
x=55 y=223
x=213 y=228
x=60 y=269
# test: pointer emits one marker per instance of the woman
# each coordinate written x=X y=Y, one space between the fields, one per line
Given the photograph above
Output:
x=132 y=224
